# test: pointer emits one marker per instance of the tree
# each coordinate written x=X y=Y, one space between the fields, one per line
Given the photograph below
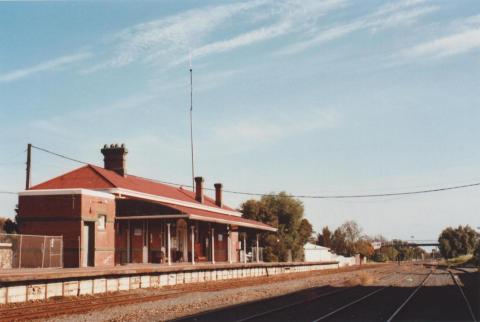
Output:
x=286 y=214
x=325 y=237
x=305 y=231
x=339 y=245
x=389 y=252
x=10 y=227
x=477 y=255
x=454 y=242
x=345 y=237
x=364 y=248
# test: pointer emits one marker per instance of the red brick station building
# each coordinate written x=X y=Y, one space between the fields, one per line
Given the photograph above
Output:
x=108 y=217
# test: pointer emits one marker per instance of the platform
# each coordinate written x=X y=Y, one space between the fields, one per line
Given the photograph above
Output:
x=23 y=285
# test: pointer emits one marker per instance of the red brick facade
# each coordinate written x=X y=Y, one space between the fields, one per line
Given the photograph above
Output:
x=65 y=215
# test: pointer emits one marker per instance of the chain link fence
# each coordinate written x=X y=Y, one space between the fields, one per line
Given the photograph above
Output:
x=30 y=251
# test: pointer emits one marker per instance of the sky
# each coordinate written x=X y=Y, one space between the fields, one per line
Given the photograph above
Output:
x=308 y=97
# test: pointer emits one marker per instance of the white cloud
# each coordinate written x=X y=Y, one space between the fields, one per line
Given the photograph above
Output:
x=49 y=65
x=387 y=16
x=458 y=43
x=243 y=39
x=325 y=36
x=162 y=40
x=169 y=37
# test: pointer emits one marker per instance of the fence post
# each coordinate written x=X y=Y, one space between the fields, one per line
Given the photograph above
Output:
x=20 y=255
x=43 y=250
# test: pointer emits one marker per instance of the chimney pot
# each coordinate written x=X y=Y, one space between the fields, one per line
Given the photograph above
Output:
x=218 y=194
x=199 y=189
x=114 y=158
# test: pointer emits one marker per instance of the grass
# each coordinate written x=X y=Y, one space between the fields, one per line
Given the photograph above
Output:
x=473 y=262
x=459 y=260
x=363 y=278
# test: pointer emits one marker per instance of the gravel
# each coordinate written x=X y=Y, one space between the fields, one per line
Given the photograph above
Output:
x=195 y=302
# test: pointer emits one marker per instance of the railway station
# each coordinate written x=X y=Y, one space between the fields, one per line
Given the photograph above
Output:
x=287 y=161
x=109 y=217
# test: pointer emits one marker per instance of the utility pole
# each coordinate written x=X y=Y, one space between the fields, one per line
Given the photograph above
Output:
x=29 y=163
x=191 y=125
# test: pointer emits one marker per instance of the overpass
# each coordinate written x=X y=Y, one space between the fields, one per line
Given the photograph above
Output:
x=414 y=243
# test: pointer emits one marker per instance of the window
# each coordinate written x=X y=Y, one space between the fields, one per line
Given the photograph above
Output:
x=102 y=220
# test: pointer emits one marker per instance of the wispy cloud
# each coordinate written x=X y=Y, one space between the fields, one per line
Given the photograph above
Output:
x=465 y=40
x=290 y=20
x=189 y=34
x=387 y=16
x=170 y=36
x=49 y=65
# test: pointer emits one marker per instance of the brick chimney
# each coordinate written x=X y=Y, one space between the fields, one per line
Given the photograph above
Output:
x=114 y=158
x=199 y=189
x=218 y=194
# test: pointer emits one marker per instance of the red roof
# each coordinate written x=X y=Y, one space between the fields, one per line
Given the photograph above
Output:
x=93 y=177
x=96 y=178
x=212 y=216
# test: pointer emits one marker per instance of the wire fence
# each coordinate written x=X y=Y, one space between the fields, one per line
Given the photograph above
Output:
x=30 y=251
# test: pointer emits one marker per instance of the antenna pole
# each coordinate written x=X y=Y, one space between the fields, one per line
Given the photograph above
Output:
x=191 y=126
x=29 y=163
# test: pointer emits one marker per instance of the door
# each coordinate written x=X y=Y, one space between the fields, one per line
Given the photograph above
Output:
x=156 y=247
x=87 y=245
x=137 y=238
x=221 y=247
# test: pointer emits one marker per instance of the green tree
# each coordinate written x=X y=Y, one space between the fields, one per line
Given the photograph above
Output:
x=389 y=252
x=458 y=241
x=325 y=237
x=345 y=237
x=286 y=214
x=379 y=257
x=339 y=245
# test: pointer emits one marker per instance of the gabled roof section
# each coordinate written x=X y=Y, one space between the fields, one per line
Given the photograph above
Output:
x=97 y=178
x=85 y=177
x=152 y=187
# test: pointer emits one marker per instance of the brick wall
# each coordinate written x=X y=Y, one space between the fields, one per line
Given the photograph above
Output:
x=65 y=215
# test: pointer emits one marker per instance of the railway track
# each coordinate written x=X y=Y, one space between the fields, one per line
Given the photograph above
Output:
x=376 y=309
x=387 y=277
x=467 y=302
x=37 y=310
x=275 y=310
x=272 y=311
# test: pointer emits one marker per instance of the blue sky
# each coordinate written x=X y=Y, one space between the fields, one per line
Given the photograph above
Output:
x=310 y=97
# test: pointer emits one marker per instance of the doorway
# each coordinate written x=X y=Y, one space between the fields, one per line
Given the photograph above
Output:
x=88 y=244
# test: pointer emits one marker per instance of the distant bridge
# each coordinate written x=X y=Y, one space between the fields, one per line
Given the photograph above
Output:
x=414 y=243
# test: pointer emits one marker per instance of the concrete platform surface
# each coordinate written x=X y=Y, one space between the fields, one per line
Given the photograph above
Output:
x=10 y=276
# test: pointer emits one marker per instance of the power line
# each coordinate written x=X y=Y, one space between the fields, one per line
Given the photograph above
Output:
x=364 y=195
x=8 y=193
x=351 y=196
x=59 y=155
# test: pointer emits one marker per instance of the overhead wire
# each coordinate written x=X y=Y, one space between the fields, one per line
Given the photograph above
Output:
x=339 y=196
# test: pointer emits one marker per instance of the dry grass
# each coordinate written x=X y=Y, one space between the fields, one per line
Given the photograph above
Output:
x=362 y=278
